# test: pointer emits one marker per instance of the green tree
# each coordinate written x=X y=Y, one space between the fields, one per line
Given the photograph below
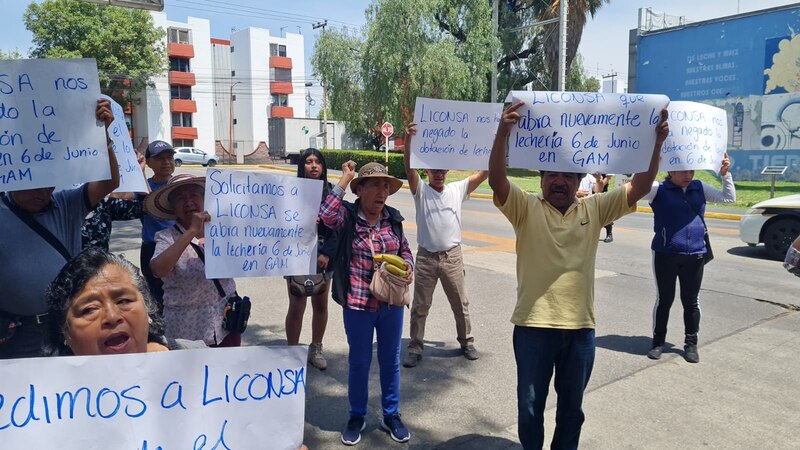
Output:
x=577 y=79
x=576 y=20
x=127 y=46
x=408 y=49
x=11 y=54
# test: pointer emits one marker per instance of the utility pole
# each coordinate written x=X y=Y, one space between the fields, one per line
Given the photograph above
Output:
x=322 y=25
x=496 y=28
x=562 y=47
x=612 y=76
x=230 y=133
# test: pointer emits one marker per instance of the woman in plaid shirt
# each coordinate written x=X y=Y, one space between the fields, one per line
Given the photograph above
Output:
x=368 y=222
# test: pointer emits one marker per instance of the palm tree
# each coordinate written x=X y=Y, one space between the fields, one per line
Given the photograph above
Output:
x=576 y=20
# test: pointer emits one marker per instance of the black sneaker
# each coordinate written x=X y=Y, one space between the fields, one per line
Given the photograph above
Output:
x=655 y=352
x=690 y=353
x=470 y=353
x=395 y=427
x=411 y=359
x=352 y=432
x=609 y=238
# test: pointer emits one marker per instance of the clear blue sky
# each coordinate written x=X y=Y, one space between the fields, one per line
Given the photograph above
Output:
x=604 y=45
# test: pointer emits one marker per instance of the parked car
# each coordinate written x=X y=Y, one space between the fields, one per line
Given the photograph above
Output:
x=775 y=222
x=192 y=155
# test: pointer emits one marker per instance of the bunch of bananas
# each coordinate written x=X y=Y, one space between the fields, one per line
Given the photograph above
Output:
x=393 y=263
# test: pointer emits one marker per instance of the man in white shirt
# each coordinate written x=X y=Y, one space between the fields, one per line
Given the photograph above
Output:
x=439 y=253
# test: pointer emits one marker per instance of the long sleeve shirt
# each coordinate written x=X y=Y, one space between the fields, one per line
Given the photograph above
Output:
x=333 y=213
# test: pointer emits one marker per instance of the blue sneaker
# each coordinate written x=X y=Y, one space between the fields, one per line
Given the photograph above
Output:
x=395 y=427
x=352 y=432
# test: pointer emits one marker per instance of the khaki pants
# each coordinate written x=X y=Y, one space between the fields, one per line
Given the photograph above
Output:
x=447 y=266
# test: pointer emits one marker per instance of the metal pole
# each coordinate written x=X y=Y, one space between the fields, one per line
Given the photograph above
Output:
x=772 y=187
x=495 y=24
x=230 y=130
x=562 y=48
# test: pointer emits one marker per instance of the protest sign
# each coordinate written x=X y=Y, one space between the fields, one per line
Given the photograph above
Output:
x=698 y=137
x=237 y=398
x=453 y=134
x=131 y=178
x=50 y=136
x=261 y=224
x=584 y=132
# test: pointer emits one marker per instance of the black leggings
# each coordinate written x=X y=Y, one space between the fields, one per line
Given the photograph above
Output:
x=689 y=270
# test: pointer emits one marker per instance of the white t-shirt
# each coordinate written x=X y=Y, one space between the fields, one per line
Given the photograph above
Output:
x=587 y=183
x=439 y=215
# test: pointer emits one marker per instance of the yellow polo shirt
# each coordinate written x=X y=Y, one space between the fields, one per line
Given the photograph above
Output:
x=556 y=256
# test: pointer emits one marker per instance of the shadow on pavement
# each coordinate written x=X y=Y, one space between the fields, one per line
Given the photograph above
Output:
x=758 y=252
x=634 y=345
x=477 y=442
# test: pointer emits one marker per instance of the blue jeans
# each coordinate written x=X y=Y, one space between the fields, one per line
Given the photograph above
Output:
x=359 y=325
x=537 y=351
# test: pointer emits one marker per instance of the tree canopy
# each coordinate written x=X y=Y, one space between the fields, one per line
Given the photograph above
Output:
x=127 y=46
x=439 y=49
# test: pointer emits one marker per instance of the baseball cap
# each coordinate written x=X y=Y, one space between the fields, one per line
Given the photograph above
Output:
x=157 y=147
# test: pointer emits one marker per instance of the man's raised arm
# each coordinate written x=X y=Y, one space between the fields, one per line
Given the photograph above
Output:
x=642 y=182
x=498 y=179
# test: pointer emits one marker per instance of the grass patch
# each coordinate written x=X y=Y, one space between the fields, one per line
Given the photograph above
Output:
x=748 y=193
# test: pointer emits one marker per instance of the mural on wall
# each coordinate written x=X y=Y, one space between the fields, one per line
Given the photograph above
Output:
x=748 y=65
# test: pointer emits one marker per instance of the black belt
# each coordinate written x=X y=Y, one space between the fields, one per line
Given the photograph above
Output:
x=38 y=319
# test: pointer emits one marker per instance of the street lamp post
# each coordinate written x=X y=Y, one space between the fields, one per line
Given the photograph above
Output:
x=230 y=133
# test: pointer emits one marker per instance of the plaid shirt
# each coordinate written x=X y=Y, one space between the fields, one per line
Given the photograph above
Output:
x=333 y=213
x=792 y=261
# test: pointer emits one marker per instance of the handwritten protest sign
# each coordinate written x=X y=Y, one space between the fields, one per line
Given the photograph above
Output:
x=50 y=136
x=453 y=134
x=698 y=137
x=130 y=174
x=237 y=398
x=584 y=131
x=261 y=224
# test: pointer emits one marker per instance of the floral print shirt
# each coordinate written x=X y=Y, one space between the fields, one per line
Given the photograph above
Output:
x=96 y=230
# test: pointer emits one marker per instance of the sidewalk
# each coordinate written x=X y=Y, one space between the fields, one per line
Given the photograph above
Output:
x=743 y=394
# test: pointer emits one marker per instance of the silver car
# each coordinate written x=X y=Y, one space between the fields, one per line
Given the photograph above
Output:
x=775 y=222
x=192 y=155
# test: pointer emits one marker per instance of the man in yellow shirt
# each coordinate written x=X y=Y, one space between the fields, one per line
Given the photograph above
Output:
x=557 y=236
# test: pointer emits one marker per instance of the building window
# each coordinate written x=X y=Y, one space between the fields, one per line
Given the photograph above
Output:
x=178 y=36
x=233 y=73
x=179 y=64
x=276 y=74
x=234 y=121
x=233 y=97
x=183 y=142
x=277 y=50
x=280 y=100
x=181 y=119
x=180 y=92
x=231 y=49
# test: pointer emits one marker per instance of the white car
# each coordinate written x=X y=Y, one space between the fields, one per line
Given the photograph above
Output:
x=191 y=155
x=775 y=222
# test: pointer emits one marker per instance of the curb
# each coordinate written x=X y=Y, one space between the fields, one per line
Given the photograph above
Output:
x=644 y=209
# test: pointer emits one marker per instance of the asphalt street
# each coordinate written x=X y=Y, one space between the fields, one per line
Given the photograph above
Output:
x=743 y=393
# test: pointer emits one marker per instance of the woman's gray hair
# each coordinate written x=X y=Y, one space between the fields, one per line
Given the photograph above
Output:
x=71 y=280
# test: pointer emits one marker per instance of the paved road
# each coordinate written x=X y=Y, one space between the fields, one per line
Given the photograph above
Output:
x=741 y=395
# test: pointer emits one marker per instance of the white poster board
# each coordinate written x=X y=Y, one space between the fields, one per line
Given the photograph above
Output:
x=248 y=397
x=261 y=224
x=698 y=137
x=453 y=134
x=584 y=132
x=131 y=178
x=50 y=136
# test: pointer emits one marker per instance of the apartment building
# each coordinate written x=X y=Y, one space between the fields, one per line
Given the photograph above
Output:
x=219 y=93
x=178 y=108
